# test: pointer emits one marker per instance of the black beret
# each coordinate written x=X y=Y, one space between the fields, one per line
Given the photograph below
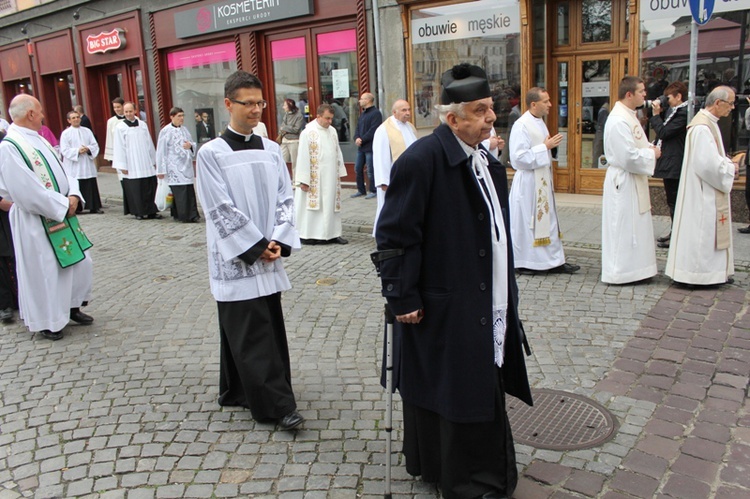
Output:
x=464 y=83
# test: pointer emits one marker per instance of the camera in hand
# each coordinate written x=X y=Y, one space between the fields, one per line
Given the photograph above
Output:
x=663 y=102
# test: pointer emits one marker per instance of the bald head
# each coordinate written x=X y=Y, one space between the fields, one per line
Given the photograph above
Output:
x=401 y=110
x=26 y=111
x=366 y=100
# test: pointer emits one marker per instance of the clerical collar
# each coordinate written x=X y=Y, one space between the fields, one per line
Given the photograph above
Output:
x=234 y=135
x=120 y=117
x=176 y=126
x=133 y=123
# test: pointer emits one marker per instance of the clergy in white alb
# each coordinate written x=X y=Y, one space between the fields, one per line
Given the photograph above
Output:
x=135 y=157
x=320 y=167
x=533 y=213
x=48 y=294
x=391 y=139
x=628 y=249
x=246 y=194
x=700 y=251
x=78 y=148
x=109 y=146
x=175 y=150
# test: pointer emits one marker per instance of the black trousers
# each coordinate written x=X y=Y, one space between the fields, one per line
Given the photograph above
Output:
x=140 y=193
x=465 y=459
x=670 y=189
x=184 y=207
x=8 y=283
x=90 y=191
x=255 y=368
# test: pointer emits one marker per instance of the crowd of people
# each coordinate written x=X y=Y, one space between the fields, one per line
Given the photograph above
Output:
x=442 y=199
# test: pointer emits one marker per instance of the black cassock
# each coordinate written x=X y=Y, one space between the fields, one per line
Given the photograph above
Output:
x=255 y=367
x=139 y=192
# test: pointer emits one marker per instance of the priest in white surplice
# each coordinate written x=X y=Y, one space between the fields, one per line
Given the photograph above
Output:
x=175 y=150
x=134 y=155
x=48 y=294
x=700 y=251
x=533 y=215
x=246 y=194
x=628 y=250
x=109 y=145
x=320 y=167
x=390 y=140
x=78 y=148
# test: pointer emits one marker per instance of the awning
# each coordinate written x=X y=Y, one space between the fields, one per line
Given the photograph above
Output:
x=718 y=37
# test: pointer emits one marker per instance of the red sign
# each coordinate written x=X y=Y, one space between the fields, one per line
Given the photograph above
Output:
x=106 y=41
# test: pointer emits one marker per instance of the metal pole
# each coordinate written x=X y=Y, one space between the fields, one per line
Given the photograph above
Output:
x=378 y=57
x=389 y=321
x=693 y=68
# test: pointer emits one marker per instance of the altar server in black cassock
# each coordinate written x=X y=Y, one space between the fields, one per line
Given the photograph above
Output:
x=459 y=341
x=134 y=155
x=246 y=194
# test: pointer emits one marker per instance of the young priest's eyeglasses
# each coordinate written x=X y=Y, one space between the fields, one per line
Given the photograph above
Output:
x=250 y=104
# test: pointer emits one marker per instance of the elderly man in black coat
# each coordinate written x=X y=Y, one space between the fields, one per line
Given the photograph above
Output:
x=459 y=343
x=670 y=133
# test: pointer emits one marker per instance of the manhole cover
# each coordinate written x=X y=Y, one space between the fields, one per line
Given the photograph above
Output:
x=560 y=421
x=326 y=281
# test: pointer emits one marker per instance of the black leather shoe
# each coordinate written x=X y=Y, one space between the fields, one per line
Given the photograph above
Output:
x=291 y=421
x=664 y=239
x=80 y=317
x=663 y=244
x=51 y=335
x=155 y=216
x=96 y=212
x=338 y=240
x=730 y=280
x=493 y=495
x=524 y=271
x=565 y=268
x=311 y=242
x=744 y=230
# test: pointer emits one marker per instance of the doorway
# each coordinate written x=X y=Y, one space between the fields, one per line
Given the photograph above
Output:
x=116 y=80
x=317 y=66
x=589 y=58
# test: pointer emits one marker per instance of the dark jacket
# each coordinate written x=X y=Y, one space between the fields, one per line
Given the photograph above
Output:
x=435 y=211
x=369 y=121
x=672 y=135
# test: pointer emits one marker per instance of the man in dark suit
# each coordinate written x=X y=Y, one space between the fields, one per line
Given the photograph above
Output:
x=458 y=343
x=670 y=129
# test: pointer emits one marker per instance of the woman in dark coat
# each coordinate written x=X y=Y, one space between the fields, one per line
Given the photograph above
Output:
x=441 y=290
x=670 y=133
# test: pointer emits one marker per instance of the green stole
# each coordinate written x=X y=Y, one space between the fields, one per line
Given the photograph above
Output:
x=67 y=237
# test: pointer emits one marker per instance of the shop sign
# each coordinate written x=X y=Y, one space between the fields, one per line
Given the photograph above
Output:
x=490 y=22
x=226 y=15
x=106 y=41
x=673 y=9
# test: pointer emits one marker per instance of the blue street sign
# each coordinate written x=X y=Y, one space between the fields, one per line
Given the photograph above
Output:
x=701 y=10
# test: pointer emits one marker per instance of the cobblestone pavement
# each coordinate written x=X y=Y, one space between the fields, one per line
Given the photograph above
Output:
x=126 y=408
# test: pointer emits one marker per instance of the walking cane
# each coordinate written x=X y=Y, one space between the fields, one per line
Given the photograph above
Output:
x=389 y=320
x=377 y=257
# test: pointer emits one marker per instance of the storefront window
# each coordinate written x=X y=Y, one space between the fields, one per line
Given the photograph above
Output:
x=339 y=85
x=197 y=79
x=665 y=57
x=290 y=75
x=597 y=21
x=482 y=32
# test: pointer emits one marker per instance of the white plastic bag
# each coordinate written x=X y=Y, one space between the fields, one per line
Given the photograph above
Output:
x=162 y=193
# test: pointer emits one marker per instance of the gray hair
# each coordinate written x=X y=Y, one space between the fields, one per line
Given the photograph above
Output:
x=718 y=93
x=20 y=105
x=455 y=108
